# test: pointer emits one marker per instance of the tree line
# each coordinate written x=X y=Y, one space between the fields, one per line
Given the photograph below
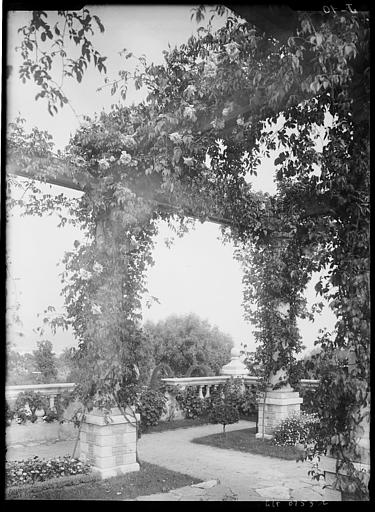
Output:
x=177 y=341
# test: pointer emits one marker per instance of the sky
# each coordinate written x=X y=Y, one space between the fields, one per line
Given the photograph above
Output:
x=197 y=274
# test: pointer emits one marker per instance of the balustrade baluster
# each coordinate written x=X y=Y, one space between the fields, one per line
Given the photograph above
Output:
x=52 y=402
x=200 y=392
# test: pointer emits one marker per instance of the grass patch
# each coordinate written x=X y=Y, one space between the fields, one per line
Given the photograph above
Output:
x=164 y=426
x=149 y=480
x=244 y=440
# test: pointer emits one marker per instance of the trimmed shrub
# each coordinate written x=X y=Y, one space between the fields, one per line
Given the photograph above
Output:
x=151 y=406
x=224 y=404
x=224 y=413
x=297 y=428
x=29 y=471
x=191 y=404
x=242 y=399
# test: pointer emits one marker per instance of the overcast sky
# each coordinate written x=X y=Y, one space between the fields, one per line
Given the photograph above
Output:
x=198 y=273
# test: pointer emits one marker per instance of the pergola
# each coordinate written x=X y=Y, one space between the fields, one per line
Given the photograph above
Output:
x=277 y=22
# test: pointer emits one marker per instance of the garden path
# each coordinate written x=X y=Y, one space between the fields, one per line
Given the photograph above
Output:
x=248 y=476
x=232 y=475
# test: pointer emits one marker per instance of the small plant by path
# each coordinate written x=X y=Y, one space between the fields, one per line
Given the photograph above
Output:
x=151 y=479
x=244 y=440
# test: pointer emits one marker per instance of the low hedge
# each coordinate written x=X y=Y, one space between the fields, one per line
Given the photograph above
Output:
x=25 y=491
x=33 y=470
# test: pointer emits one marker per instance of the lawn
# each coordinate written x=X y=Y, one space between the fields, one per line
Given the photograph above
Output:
x=163 y=426
x=244 y=440
x=149 y=480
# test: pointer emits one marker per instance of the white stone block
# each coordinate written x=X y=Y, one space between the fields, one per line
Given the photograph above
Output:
x=109 y=447
x=117 y=470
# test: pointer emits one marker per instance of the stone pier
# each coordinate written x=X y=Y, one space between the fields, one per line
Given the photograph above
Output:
x=274 y=407
x=109 y=447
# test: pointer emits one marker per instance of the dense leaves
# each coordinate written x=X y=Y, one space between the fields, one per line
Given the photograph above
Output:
x=45 y=362
x=27 y=403
x=151 y=405
x=183 y=342
x=296 y=429
x=192 y=405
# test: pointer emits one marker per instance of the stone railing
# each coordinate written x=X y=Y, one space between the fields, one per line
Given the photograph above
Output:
x=205 y=384
x=48 y=390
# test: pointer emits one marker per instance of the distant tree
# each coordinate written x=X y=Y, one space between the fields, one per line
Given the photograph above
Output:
x=20 y=368
x=183 y=341
x=45 y=362
x=67 y=367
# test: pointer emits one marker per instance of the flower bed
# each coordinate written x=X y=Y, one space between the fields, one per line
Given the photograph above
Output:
x=296 y=429
x=27 y=491
x=34 y=470
x=150 y=479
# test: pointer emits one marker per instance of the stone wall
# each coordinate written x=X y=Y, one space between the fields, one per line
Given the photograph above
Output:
x=39 y=432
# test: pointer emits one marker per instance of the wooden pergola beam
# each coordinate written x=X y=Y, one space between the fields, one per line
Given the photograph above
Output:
x=81 y=181
x=146 y=189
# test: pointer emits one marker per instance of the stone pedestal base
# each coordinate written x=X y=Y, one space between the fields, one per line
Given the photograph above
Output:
x=278 y=405
x=109 y=447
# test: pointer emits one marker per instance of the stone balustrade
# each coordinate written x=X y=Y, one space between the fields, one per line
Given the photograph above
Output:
x=49 y=390
x=212 y=381
x=205 y=384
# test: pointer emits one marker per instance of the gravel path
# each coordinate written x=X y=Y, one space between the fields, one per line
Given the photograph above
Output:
x=231 y=475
